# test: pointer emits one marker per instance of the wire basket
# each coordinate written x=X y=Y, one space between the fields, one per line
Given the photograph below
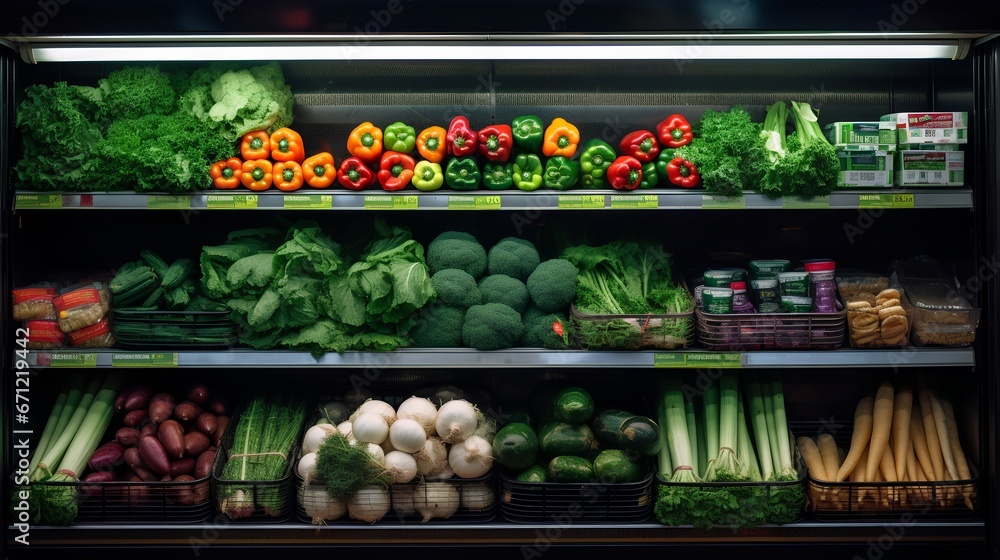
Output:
x=176 y=330
x=666 y=331
x=474 y=500
x=540 y=502
x=878 y=500
x=766 y=331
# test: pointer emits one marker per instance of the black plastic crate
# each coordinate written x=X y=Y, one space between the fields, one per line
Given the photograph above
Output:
x=139 y=502
x=539 y=502
x=174 y=330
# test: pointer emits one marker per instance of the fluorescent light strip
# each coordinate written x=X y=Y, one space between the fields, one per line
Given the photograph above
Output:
x=349 y=50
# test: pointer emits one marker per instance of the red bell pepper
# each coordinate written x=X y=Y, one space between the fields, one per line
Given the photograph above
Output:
x=395 y=170
x=674 y=131
x=461 y=138
x=641 y=145
x=683 y=173
x=354 y=174
x=496 y=142
x=625 y=173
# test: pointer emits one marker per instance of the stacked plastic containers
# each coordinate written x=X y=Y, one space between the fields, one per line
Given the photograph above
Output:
x=929 y=148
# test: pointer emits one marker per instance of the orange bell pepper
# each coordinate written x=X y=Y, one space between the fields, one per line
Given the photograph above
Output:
x=365 y=143
x=226 y=173
x=286 y=145
x=255 y=144
x=288 y=176
x=319 y=171
x=256 y=174
x=432 y=145
x=561 y=139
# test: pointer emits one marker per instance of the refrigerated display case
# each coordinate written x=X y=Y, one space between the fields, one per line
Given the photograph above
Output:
x=610 y=69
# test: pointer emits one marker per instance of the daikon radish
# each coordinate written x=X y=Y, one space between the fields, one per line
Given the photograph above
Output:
x=887 y=465
x=944 y=435
x=902 y=408
x=931 y=435
x=920 y=445
x=828 y=453
x=961 y=463
x=859 y=438
x=881 y=427
x=811 y=456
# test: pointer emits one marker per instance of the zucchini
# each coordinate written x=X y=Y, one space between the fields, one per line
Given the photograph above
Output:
x=515 y=446
x=633 y=433
x=154 y=262
x=155 y=298
x=573 y=405
x=560 y=438
x=177 y=273
x=614 y=465
x=133 y=278
x=534 y=473
x=569 y=468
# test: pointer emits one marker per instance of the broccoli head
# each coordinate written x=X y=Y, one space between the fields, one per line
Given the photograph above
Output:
x=491 y=326
x=544 y=330
x=456 y=287
x=457 y=249
x=514 y=257
x=136 y=91
x=552 y=286
x=438 y=326
x=500 y=288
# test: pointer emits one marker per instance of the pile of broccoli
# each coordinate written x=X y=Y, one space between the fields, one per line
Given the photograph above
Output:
x=490 y=300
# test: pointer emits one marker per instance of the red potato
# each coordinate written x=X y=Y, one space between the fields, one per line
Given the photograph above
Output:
x=183 y=466
x=135 y=418
x=222 y=422
x=161 y=407
x=206 y=423
x=203 y=466
x=134 y=459
x=166 y=478
x=219 y=405
x=121 y=397
x=146 y=475
x=183 y=494
x=148 y=429
x=128 y=437
x=154 y=455
x=101 y=476
x=171 y=435
x=195 y=443
x=138 y=398
x=186 y=411
x=107 y=457
x=198 y=394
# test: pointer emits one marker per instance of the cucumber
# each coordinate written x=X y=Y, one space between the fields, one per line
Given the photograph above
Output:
x=560 y=438
x=636 y=434
x=569 y=468
x=534 y=473
x=515 y=446
x=573 y=405
x=614 y=465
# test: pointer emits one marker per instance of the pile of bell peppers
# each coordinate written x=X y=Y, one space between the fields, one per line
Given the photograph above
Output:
x=528 y=154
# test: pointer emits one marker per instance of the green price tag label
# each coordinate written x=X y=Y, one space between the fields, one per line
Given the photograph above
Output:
x=231 y=201
x=477 y=202
x=697 y=360
x=800 y=203
x=144 y=360
x=635 y=201
x=390 y=202
x=580 y=201
x=73 y=360
x=719 y=202
x=168 y=202
x=308 y=201
x=885 y=200
x=37 y=201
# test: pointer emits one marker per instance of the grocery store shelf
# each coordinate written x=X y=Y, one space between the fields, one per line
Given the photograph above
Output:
x=493 y=200
x=513 y=358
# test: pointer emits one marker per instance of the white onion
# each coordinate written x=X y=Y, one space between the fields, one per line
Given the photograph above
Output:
x=402 y=467
x=369 y=504
x=436 y=500
x=373 y=405
x=472 y=458
x=315 y=436
x=433 y=458
x=486 y=428
x=407 y=435
x=319 y=505
x=420 y=409
x=478 y=496
x=370 y=427
x=345 y=428
x=402 y=499
x=307 y=467
x=376 y=452
x=456 y=420
x=387 y=446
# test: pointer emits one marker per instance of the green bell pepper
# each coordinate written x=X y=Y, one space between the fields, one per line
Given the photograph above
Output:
x=595 y=159
x=498 y=175
x=528 y=172
x=399 y=137
x=649 y=178
x=528 y=133
x=561 y=173
x=462 y=173
x=662 y=161
x=427 y=176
